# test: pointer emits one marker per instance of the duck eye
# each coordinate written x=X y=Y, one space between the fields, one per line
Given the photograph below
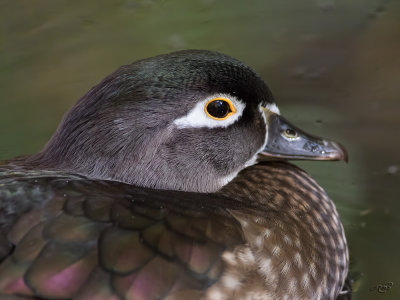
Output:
x=290 y=133
x=219 y=108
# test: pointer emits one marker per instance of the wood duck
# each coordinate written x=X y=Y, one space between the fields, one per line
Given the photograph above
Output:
x=168 y=180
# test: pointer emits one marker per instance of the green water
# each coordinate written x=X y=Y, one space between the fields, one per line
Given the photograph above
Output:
x=334 y=68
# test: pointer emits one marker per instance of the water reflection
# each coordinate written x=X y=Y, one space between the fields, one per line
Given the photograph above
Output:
x=332 y=65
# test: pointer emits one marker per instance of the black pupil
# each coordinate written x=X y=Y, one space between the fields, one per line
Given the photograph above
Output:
x=290 y=132
x=218 y=108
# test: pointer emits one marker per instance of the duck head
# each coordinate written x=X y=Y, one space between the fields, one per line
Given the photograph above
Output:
x=189 y=120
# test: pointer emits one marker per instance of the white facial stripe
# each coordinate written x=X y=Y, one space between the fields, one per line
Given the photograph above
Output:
x=272 y=107
x=266 y=126
x=197 y=118
x=226 y=179
x=253 y=160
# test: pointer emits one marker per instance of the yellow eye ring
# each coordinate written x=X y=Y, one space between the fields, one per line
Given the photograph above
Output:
x=290 y=133
x=219 y=108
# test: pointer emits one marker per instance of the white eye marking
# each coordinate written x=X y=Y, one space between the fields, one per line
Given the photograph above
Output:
x=197 y=117
x=272 y=107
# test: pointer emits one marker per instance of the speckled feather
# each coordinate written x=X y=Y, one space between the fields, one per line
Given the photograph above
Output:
x=84 y=239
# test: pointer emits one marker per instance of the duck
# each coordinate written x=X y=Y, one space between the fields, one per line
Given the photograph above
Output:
x=170 y=179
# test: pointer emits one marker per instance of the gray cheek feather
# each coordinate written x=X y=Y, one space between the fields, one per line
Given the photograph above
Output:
x=191 y=160
x=163 y=157
x=204 y=159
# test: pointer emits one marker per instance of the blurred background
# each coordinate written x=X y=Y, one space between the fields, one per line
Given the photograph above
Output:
x=333 y=66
